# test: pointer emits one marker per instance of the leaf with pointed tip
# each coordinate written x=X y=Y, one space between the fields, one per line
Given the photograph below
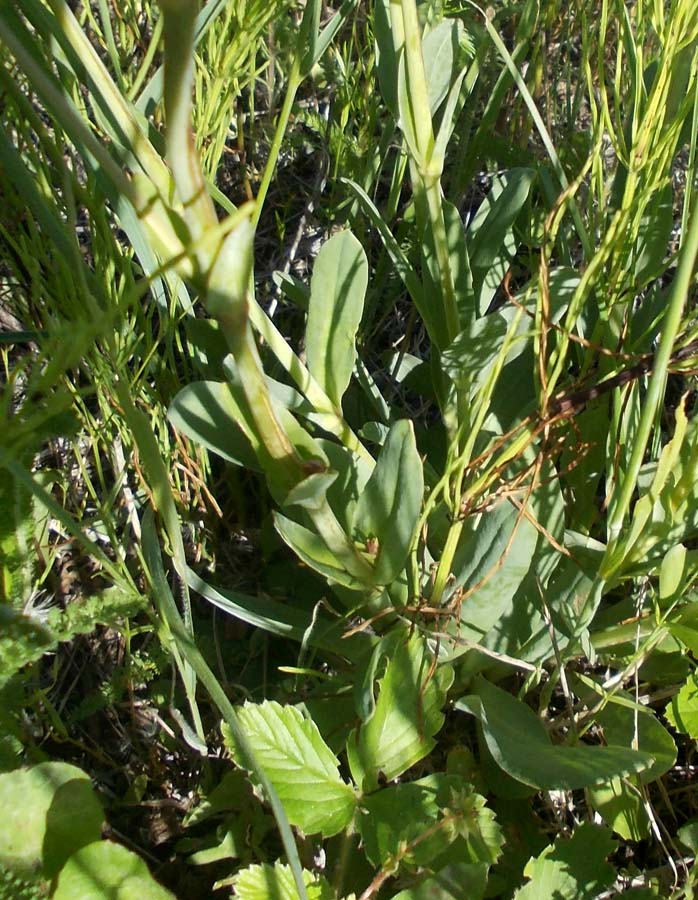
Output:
x=276 y=882
x=388 y=508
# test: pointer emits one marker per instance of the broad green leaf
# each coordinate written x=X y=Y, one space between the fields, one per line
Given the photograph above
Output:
x=653 y=236
x=520 y=745
x=491 y=560
x=572 y=868
x=407 y=716
x=624 y=724
x=337 y=292
x=459 y=826
x=389 y=506
x=671 y=572
x=50 y=811
x=107 y=871
x=460 y=881
x=216 y=414
x=276 y=882
x=311 y=493
x=431 y=311
x=469 y=359
x=299 y=764
x=682 y=712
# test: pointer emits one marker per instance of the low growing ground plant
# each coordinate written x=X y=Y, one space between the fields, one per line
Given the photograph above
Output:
x=463 y=448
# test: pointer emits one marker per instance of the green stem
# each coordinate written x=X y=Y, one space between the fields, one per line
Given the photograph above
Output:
x=655 y=391
x=294 y=82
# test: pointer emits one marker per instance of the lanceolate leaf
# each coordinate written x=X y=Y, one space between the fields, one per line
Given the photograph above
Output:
x=299 y=764
x=337 y=292
x=520 y=745
x=682 y=712
x=314 y=552
x=407 y=716
x=388 y=509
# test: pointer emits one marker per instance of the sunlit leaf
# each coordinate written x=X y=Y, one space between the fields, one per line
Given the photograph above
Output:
x=299 y=764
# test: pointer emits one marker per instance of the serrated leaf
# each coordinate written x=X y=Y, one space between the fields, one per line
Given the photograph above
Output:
x=49 y=811
x=389 y=506
x=459 y=826
x=460 y=881
x=276 y=882
x=107 y=871
x=520 y=745
x=337 y=292
x=407 y=716
x=682 y=712
x=299 y=764
x=572 y=868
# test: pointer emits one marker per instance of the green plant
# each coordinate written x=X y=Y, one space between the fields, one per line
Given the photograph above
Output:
x=528 y=542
